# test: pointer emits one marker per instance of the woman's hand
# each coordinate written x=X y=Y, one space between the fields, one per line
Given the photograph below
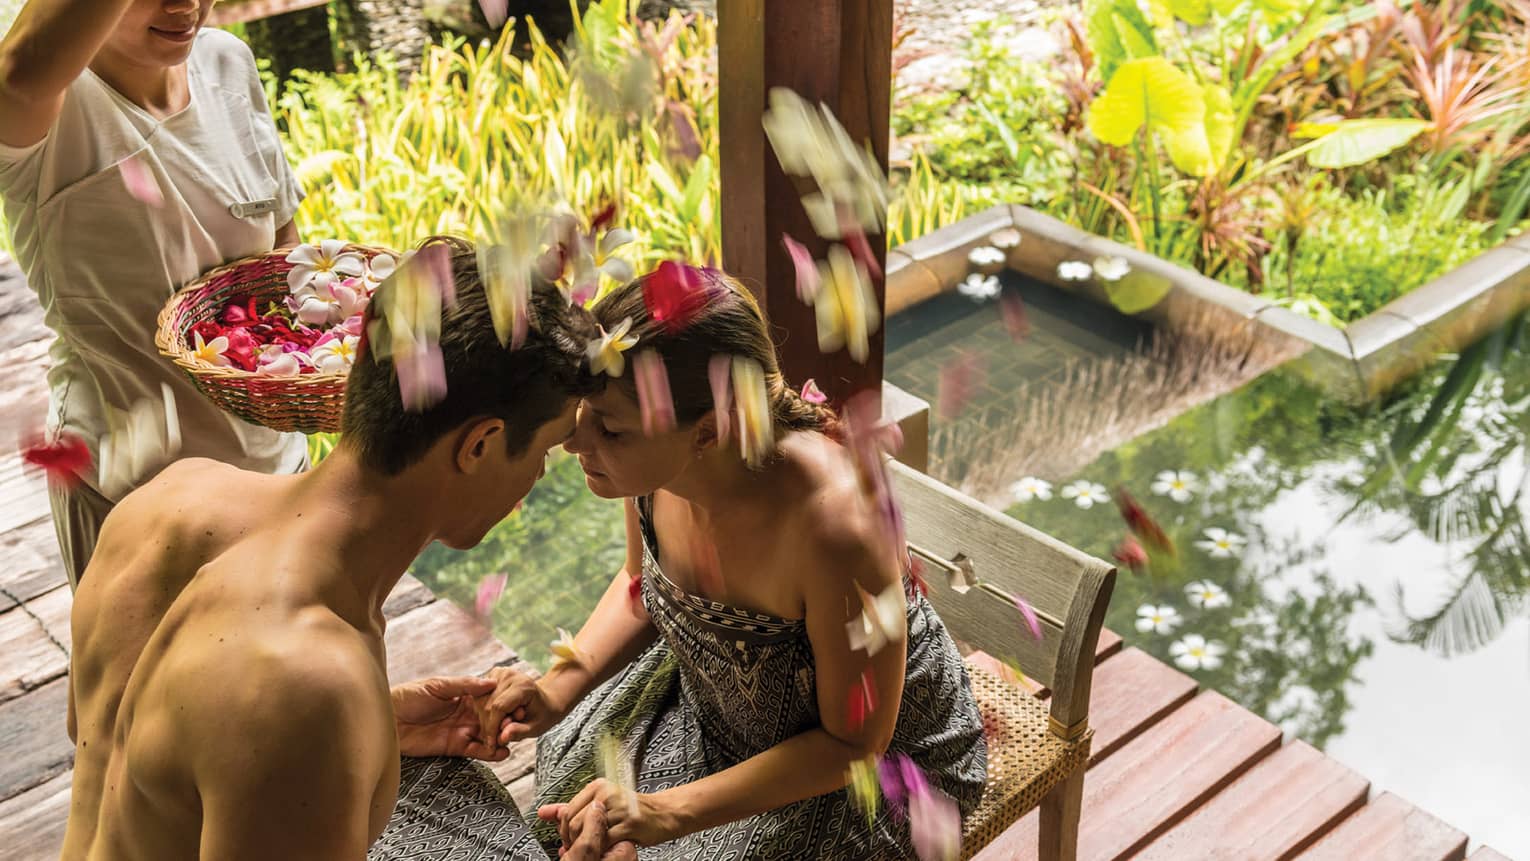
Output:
x=644 y=819
x=443 y=717
x=520 y=707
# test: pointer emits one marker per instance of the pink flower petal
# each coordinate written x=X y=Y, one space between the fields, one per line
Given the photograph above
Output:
x=720 y=374
x=808 y=282
x=140 y=182
x=489 y=590
x=1030 y=618
x=674 y=294
x=496 y=12
x=654 y=398
x=860 y=248
x=421 y=377
x=935 y=825
x=812 y=394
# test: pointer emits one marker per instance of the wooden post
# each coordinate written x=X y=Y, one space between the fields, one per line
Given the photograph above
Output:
x=839 y=53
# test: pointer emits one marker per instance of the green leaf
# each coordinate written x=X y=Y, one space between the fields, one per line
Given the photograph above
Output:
x=1117 y=32
x=696 y=187
x=1192 y=12
x=1351 y=142
x=1219 y=122
x=1151 y=92
x=1137 y=291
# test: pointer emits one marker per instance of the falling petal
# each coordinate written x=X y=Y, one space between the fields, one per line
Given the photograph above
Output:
x=635 y=589
x=935 y=825
x=506 y=269
x=565 y=650
x=140 y=182
x=605 y=352
x=654 y=399
x=63 y=461
x=812 y=394
x=617 y=767
x=421 y=377
x=860 y=248
x=862 y=700
x=808 y=282
x=720 y=375
x=496 y=12
x=1142 y=524
x=1012 y=311
x=959 y=379
x=1031 y=621
x=489 y=590
x=846 y=308
x=916 y=576
x=1131 y=554
x=880 y=621
x=674 y=294
x=865 y=789
x=756 y=425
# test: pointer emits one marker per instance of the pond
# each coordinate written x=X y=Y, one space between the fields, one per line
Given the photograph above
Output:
x=1359 y=576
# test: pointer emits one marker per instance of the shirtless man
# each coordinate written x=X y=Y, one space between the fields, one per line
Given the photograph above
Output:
x=229 y=696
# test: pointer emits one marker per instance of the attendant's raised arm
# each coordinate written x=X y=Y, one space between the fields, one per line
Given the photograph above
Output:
x=48 y=46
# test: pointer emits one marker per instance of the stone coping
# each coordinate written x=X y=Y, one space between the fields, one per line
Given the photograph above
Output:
x=1359 y=362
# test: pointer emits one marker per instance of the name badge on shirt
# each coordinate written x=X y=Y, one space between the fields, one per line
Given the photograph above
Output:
x=252 y=208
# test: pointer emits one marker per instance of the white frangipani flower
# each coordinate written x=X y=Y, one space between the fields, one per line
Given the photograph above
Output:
x=1221 y=543
x=1178 y=485
x=985 y=256
x=1005 y=238
x=1074 y=270
x=335 y=356
x=1031 y=487
x=1192 y=652
x=319 y=266
x=1111 y=268
x=979 y=287
x=1085 y=494
x=1159 y=620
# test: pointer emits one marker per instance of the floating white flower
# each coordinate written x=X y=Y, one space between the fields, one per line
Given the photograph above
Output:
x=879 y=622
x=985 y=256
x=1207 y=595
x=979 y=287
x=211 y=352
x=1085 y=494
x=1192 y=652
x=319 y=266
x=605 y=352
x=1178 y=485
x=565 y=650
x=1005 y=238
x=1074 y=270
x=1221 y=543
x=1031 y=487
x=1111 y=268
x=1159 y=620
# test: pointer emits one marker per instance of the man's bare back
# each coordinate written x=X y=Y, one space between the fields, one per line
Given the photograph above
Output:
x=210 y=682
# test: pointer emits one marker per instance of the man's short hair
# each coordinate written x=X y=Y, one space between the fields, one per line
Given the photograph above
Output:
x=526 y=387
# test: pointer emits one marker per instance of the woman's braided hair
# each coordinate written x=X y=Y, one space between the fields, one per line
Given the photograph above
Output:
x=730 y=323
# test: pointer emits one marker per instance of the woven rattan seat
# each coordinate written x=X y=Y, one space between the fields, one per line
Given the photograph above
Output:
x=1025 y=758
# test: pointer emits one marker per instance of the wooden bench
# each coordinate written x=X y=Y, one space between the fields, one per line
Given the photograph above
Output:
x=977 y=562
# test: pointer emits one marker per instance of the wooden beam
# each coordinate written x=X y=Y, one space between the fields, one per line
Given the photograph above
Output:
x=239 y=11
x=834 y=52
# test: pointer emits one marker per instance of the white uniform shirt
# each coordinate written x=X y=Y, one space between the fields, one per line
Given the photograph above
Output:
x=103 y=263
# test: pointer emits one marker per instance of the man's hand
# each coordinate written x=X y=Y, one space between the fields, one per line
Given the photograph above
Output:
x=445 y=717
x=644 y=819
x=591 y=845
x=519 y=706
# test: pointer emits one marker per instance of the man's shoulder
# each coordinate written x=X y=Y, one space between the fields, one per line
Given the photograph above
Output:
x=225 y=57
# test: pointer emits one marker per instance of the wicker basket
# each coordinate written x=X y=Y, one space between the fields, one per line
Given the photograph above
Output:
x=307 y=403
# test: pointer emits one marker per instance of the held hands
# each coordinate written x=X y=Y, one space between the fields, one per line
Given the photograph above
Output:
x=519 y=706
x=591 y=844
x=644 y=819
x=445 y=717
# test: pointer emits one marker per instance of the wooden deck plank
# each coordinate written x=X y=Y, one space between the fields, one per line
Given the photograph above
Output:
x=32 y=564
x=32 y=823
x=1109 y=644
x=23 y=493
x=440 y=639
x=1132 y=692
x=1389 y=828
x=1152 y=782
x=34 y=738
x=34 y=640
x=407 y=595
x=1282 y=805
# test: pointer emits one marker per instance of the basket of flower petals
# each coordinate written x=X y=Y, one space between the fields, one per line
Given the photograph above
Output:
x=271 y=338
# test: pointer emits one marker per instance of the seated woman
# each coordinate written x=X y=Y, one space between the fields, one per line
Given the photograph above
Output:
x=719 y=664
